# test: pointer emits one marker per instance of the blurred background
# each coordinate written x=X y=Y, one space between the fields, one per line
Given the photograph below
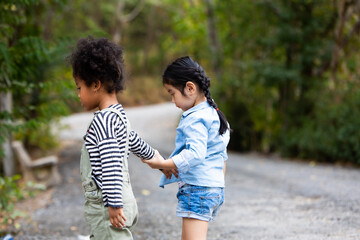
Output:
x=284 y=72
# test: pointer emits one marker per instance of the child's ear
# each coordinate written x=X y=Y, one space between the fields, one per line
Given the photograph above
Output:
x=190 y=87
x=97 y=86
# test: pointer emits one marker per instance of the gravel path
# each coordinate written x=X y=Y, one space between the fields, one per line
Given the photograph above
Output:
x=266 y=197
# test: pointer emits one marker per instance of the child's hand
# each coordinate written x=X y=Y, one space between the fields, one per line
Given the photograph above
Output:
x=169 y=172
x=158 y=162
x=155 y=162
x=117 y=217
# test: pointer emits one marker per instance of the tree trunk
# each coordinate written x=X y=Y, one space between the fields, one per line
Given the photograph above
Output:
x=347 y=10
x=215 y=46
x=8 y=160
x=118 y=23
x=121 y=18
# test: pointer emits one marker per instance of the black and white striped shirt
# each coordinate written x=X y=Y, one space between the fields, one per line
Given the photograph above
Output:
x=105 y=142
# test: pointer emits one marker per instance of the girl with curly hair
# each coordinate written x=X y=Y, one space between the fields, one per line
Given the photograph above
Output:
x=110 y=206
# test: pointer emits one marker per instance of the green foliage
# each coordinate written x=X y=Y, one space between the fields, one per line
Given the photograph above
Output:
x=331 y=134
x=10 y=193
x=28 y=66
x=275 y=86
x=293 y=55
x=188 y=22
x=275 y=71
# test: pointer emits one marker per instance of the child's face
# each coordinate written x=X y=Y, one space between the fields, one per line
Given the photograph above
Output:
x=184 y=102
x=86 y=94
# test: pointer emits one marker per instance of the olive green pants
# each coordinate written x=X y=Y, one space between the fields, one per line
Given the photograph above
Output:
x=96 y=215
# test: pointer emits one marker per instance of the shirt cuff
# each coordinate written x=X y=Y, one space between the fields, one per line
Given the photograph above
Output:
x=120 y=205
x=182 y=165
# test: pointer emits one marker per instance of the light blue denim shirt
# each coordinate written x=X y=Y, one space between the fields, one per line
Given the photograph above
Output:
x=200 y=151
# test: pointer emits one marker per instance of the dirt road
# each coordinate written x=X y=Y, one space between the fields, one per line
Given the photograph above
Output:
x=266 y=198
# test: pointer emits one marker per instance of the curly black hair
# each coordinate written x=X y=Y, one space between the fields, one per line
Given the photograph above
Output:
x=98 y=60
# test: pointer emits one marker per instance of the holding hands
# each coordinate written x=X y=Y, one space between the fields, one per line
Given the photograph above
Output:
x=166 y=166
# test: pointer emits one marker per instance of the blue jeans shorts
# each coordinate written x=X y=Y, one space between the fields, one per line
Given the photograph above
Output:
x=199 y=202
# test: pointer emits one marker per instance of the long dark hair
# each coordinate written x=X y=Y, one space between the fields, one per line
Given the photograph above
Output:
x=184 y=70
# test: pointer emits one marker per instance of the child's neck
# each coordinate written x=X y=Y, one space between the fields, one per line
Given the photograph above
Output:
x=108 y=100
x=199 y=100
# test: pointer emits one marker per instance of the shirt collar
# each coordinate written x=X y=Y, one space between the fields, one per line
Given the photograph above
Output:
x=111 y=106
x=198 y=107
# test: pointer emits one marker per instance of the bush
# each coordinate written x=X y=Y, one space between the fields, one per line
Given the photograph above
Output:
x=11 y=191
x=332 y=134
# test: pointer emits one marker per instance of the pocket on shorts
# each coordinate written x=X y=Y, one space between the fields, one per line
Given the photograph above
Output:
x=183 y=196
x=210 y=201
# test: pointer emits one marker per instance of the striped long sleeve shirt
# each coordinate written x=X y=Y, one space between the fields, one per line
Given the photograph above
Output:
x=105 y=142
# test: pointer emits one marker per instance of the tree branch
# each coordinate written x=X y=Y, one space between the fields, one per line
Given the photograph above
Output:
x=129 y=17
x=271 y=5
x=354 y=30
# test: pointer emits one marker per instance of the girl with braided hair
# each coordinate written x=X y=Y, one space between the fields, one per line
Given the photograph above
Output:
x=200 y=148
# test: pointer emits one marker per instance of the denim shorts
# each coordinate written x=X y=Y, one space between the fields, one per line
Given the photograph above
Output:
x=199 y=202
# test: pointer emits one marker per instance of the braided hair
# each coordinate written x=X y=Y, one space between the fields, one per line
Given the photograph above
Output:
x=184 y=70
x=98 y=60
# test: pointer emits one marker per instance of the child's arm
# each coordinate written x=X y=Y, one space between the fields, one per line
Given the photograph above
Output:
x=158 y=158
x=144 y=151
x=196 y=136
x=139 y=147
x=157 y=162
